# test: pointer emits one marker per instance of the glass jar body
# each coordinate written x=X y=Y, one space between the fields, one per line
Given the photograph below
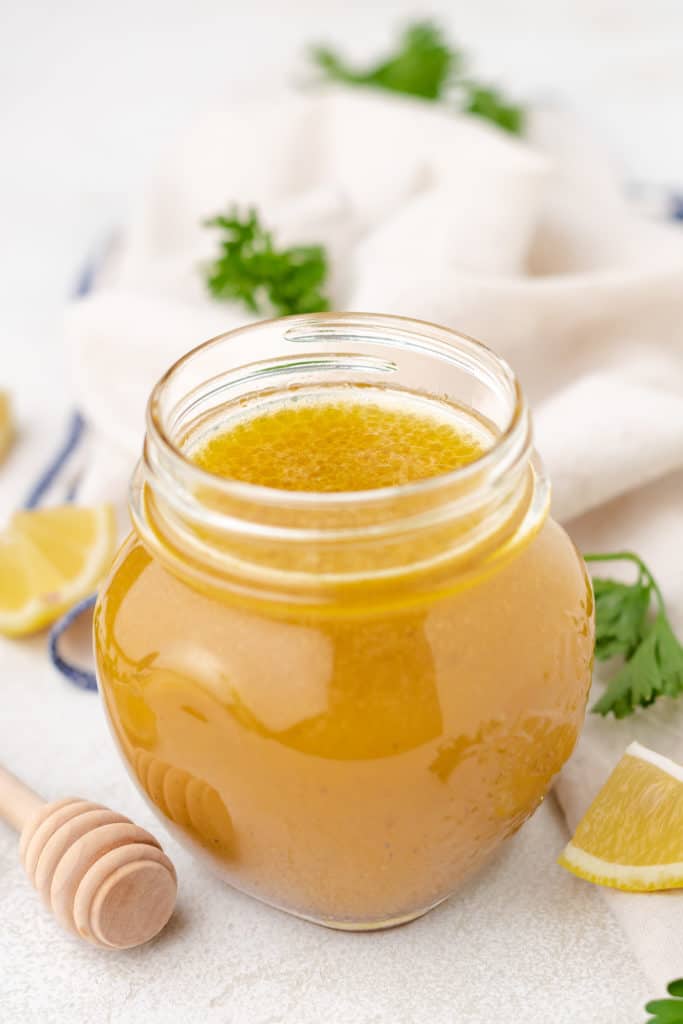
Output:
x=352 y=766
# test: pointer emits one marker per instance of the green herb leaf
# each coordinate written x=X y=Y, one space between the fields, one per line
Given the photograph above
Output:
x=421 y=65
x=425 y=64
x=621 y=611
x=264 y=279
x=667 y=1011
x=654 y=657
x=490 y=104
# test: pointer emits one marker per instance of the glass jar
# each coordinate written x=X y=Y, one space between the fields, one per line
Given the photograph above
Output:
x=345 y=701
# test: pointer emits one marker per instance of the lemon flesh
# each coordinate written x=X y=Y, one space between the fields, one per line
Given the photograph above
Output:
x=50 y=559
x=631 y=838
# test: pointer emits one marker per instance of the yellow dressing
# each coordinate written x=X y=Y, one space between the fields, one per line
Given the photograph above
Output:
x=338 y=446
x=352 y=769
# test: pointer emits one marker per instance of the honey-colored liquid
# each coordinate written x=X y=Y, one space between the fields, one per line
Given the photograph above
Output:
x=340 y=445
x=354 y=767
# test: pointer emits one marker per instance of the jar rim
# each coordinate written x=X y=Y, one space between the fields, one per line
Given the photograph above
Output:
x=512 y=439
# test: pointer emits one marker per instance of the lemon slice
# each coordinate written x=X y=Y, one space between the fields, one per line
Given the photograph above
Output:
x=6 y=424
x=49 y=559
x=632 y=835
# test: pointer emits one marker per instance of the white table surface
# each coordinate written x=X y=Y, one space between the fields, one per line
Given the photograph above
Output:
x=89 y=95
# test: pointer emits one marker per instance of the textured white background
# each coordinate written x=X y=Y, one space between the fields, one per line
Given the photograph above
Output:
x=89 y=95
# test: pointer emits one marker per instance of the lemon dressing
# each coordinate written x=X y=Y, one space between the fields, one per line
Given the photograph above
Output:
x=345 y=649
x=335 y=440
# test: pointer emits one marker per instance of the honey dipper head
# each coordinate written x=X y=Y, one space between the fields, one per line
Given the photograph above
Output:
x=134 y=901
x=103 y=877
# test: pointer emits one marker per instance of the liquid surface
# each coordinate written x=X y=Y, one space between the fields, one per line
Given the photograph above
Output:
x=343 y=445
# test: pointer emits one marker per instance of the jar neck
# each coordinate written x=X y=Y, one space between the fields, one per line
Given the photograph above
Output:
x=320 y=549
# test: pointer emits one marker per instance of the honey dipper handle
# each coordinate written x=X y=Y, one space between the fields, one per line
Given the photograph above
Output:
x=17 y=801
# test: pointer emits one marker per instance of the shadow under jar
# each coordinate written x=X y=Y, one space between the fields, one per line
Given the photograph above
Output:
x=346 y=701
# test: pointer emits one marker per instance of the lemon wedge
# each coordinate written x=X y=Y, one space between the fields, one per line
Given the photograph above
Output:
x=6 y=424
x=632 y=835
x=49 y=559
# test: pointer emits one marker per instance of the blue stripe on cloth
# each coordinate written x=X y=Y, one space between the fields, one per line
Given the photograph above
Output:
x=76 y=675
x=86 y=280
x=70 y=495
x=58 y=461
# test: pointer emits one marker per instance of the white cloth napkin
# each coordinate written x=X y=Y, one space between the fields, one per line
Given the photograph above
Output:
x=529 y=246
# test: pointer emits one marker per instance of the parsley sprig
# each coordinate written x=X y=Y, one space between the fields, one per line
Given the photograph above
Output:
x=251 y=270
x=653 y=665
x=667 y=1011
x=425 y=64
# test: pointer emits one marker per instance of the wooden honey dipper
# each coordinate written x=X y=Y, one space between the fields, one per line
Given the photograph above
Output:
x=103 y=877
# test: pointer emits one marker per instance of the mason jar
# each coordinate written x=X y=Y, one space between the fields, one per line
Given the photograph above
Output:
x=344 y=701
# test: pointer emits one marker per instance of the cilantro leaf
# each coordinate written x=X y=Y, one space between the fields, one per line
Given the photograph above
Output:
x=425 y=64
x=251 y=270
x=654 y=657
